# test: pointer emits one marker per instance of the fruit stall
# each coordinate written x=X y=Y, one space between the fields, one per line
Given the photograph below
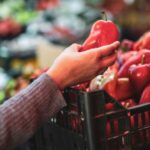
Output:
x=110 y=112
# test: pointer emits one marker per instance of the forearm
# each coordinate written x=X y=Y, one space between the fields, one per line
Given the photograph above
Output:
x=22 y=114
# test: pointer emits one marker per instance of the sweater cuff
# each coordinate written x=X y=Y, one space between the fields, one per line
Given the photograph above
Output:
x=51 y=87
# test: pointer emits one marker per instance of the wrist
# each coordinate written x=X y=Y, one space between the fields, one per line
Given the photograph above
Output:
x=57 y=78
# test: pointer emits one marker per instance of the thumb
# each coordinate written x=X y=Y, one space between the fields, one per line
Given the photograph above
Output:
x=75 y=47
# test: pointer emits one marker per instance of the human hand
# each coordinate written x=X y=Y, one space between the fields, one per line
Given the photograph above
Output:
x=72 y=67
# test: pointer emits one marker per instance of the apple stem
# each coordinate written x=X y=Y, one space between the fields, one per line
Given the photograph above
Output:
x=143 y=58
x=104 y=16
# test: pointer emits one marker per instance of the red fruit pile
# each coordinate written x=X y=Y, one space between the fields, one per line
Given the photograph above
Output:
x=128 y=80
x=8 y=27
x=135 y=65
x=129 y=77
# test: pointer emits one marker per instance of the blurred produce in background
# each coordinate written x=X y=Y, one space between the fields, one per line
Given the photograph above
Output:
x=132 y=16
x=26 y=24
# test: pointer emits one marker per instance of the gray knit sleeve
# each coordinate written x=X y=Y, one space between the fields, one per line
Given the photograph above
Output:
x=23 y=114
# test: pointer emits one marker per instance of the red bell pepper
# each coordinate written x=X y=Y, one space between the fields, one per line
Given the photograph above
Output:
x=143 y=42
x=102 y=33
x=108 y=129
x=139 y=76
x=125 y=103
x=139 y=136
x=126 y=45
x=128 y=103
x=106 y=80
x=123 y=72
x=145 y=97
x=123 y=89
x=120 y=89
x=123 y=57
x=110 y=86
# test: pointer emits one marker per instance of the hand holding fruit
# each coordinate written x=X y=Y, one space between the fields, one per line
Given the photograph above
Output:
x=73 y=67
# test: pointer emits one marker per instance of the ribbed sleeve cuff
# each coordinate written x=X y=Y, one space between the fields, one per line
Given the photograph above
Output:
x=22 y=114
x=52 y=92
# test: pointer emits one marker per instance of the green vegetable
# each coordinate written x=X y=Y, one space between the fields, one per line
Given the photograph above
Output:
x=2 y=96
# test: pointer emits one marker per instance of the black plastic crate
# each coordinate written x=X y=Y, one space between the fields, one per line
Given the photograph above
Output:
x=86 y=125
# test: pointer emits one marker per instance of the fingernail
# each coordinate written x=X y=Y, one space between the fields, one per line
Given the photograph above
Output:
x=117 y=42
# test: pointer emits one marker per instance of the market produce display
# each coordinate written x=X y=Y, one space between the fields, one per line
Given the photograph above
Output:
x=129 y=78
x=120 y=93
x=127 y=82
